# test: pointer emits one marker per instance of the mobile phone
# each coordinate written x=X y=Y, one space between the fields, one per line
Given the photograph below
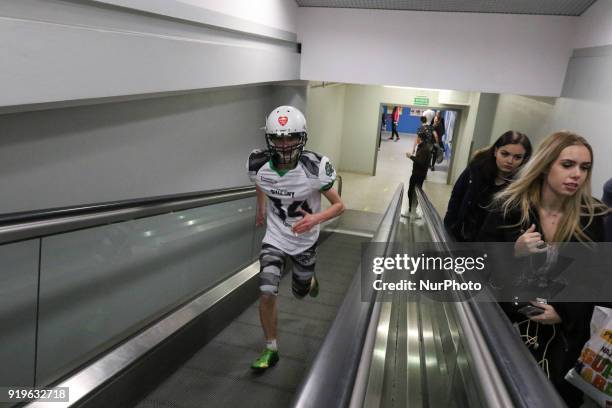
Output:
x=531 y=310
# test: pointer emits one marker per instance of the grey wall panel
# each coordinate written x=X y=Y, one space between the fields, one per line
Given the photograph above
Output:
x=474 y=52
x=92 y=52
x=100 y=285
x=484 y=121
x=585 y=105
x=134 y=149
x=294 y=95
x=199 y=14
x=18 y=295
x=97 y=16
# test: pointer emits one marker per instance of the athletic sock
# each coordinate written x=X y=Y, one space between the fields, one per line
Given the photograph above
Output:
x=271 y=345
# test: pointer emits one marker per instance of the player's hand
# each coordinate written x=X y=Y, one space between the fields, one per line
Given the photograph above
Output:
x=260 y=218
x=529 y=243
x=306 y=223
x=550 y=315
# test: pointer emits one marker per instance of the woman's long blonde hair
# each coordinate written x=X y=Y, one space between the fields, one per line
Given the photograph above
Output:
x=526 y=191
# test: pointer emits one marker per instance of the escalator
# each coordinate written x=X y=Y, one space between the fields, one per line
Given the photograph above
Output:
x=218 y=375
x=420 y=352
x=153 y=303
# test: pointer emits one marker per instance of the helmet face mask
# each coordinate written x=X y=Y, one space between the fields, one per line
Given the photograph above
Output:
x=286 y=149
x=286 y=135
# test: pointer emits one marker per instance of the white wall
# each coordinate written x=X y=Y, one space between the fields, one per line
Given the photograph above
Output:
x=487 y=108
x=532 y=116
x=595 y=26
x=280 y=14
x=343 y=123
x=62 y=51
x=361 y=118
x=128 y=150
x=583 y=108
x=494 y=53
x=325 y=116
x=586 y=102
x=586 y=107
x=465 y=135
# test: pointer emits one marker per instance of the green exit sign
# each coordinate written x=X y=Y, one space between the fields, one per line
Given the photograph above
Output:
x=421 y=100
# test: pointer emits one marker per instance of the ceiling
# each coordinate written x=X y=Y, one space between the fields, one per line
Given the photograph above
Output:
x=542 y=7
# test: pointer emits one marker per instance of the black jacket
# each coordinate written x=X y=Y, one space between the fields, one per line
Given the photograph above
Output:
x=421 y=159
x=566 y=338
x=607 y=198
x=495 y=227
x=471 y=193
x=440 y=129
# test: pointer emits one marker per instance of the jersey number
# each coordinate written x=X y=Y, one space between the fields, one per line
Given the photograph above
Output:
x=292 y=211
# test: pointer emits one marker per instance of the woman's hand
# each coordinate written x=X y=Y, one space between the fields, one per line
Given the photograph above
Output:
x=529 y=243
x=306 y=223
x=550 y=315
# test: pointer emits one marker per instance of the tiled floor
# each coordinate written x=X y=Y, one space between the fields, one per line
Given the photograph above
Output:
x=373 y=193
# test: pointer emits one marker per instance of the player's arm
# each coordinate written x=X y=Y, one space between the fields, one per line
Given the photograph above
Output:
x=261 y=207
x=310 y=220
x=336 y=208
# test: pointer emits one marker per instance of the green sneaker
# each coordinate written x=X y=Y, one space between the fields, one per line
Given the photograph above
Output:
x=268 y=359
x=314 y=287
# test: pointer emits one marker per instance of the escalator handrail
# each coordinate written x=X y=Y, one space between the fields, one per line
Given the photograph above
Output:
x=26 y=225
x=331 y=378
x=523 y=381
x=32 y=224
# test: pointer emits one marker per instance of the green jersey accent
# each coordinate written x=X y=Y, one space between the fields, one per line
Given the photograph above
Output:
x=328 y=186
x=280 y=172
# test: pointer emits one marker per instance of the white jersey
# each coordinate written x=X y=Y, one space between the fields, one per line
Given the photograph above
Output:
x=287 y=192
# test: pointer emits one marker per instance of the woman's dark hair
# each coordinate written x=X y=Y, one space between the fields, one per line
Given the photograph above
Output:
x=423 y=119
x=485 y=157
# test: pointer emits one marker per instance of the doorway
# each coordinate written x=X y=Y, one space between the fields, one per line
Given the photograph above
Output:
x=392 y=147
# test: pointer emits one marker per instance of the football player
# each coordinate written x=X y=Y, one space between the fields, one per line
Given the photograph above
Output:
x=293 y=180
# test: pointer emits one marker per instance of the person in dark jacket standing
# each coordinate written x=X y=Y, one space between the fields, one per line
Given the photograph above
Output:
x=440 y=129
x=383 y=126
x=489 y=172
x=549 y=203
x=607 y=199
x=420 y=165
x=394 y=122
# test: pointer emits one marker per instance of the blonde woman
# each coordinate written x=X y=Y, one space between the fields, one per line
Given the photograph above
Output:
x=551 y=202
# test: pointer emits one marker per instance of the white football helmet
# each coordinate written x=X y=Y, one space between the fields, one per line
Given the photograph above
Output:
x=429 y=114
x=286 y=134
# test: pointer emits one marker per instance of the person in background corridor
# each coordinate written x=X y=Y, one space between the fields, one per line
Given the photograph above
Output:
x=440 y=129
x=383 y=127
x=420 y=165
x=394 y=122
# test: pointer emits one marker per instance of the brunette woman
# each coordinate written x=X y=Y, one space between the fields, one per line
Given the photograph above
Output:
x=490 y=171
